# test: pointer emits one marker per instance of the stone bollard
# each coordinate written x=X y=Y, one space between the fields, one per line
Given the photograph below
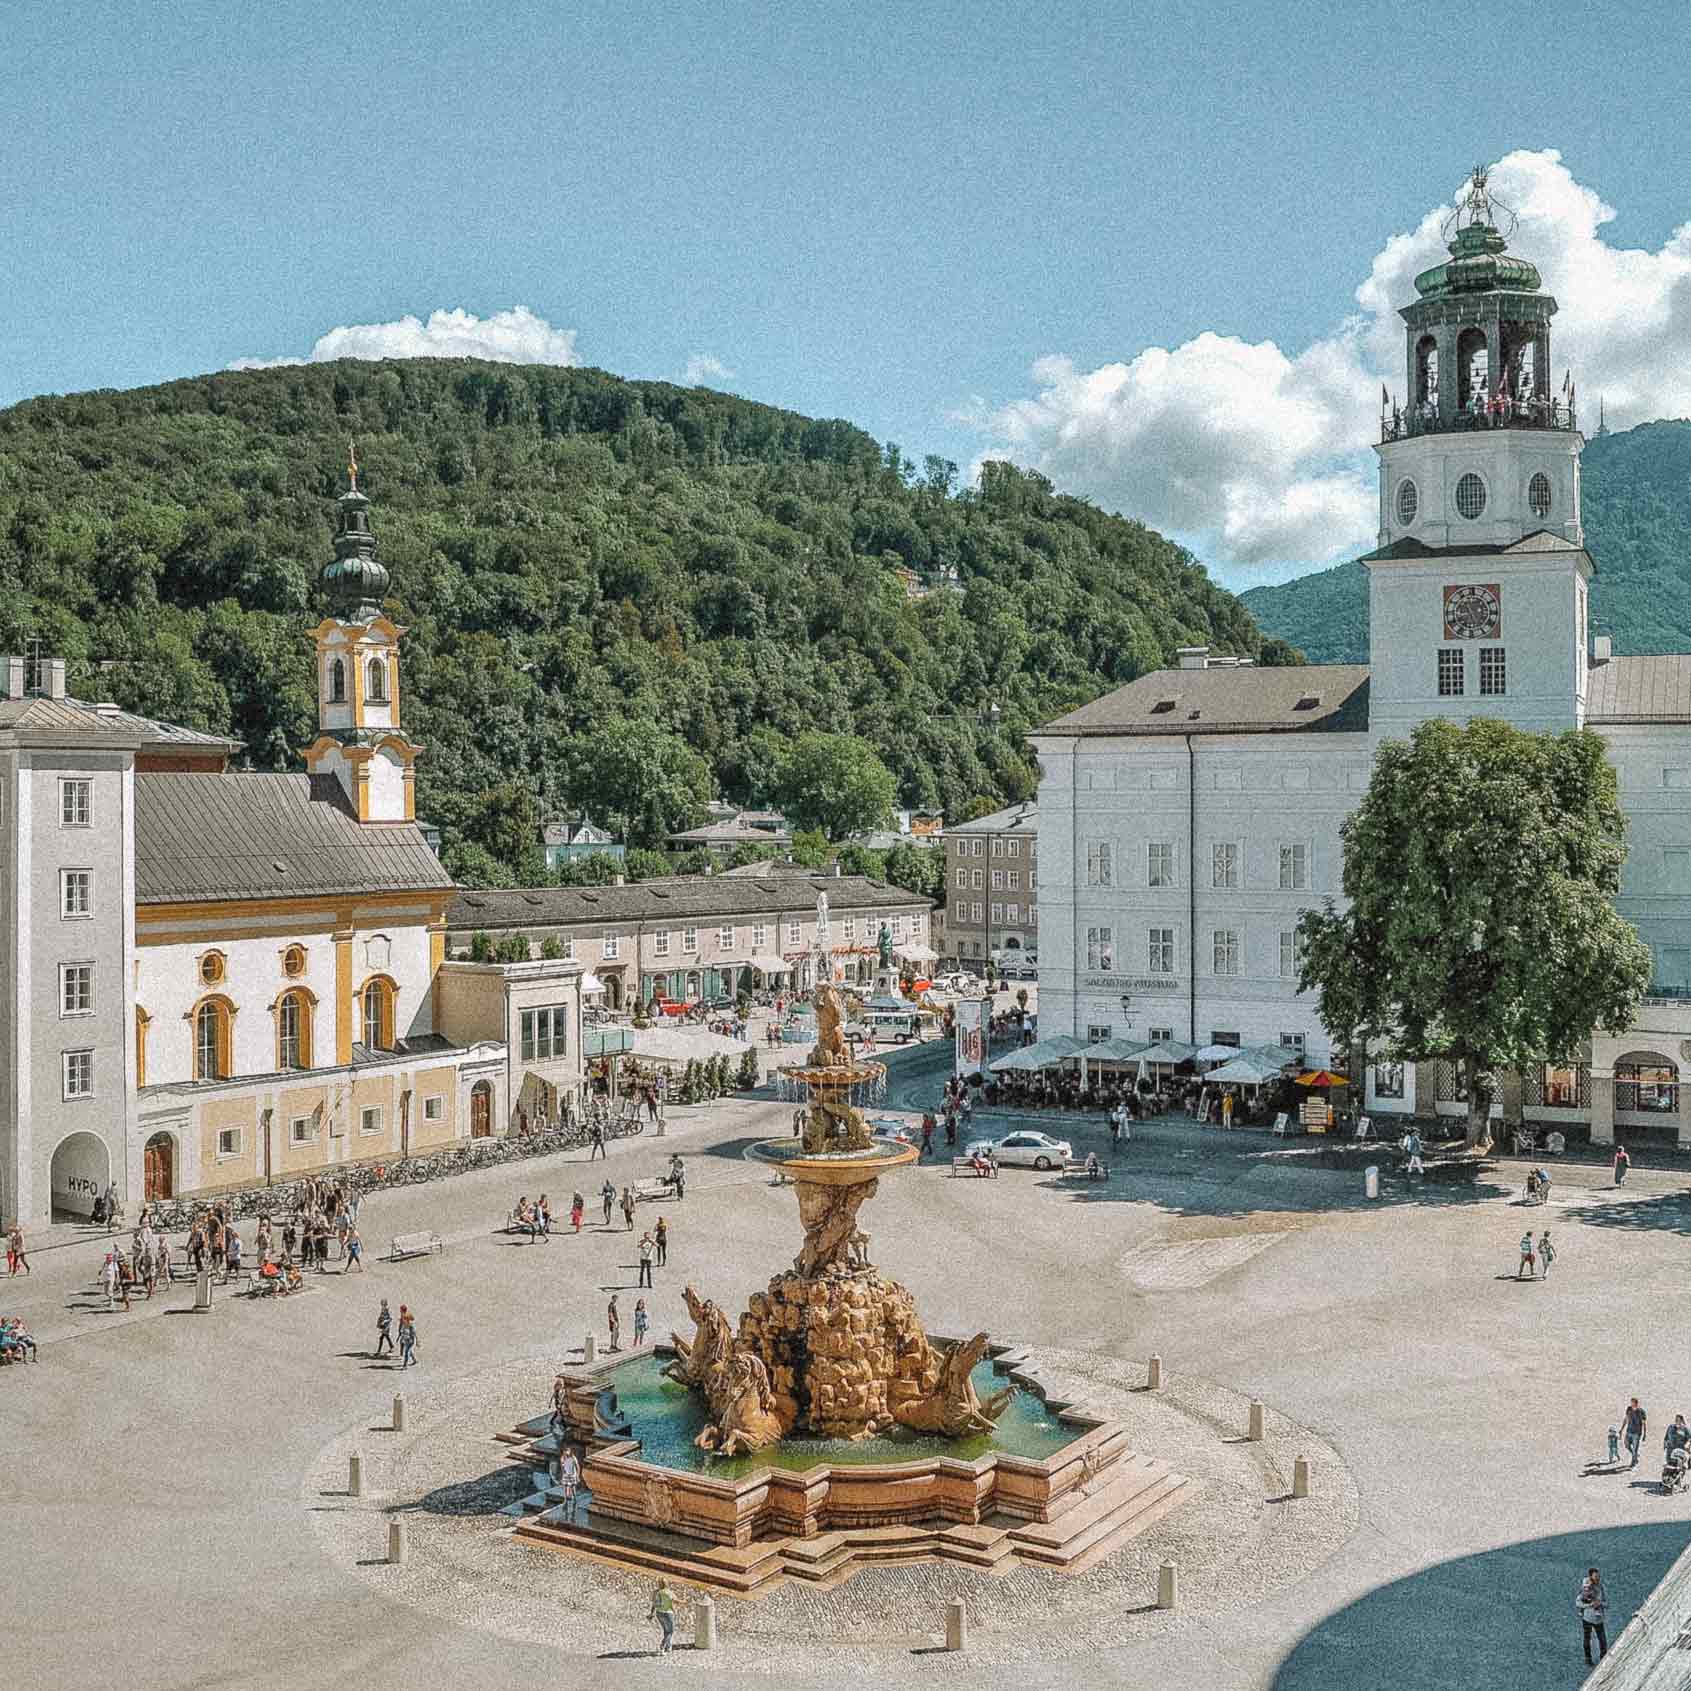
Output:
x=588 y=1351
x=1300 y=1477
x=1371 y=1181
x=704 y=1624
x=1255 y=1432
x=202 y=1289
x=397 y=1541
x=956 y=1625
x=1155 y=1381
x=398 y=1414
x=1168 y=1586
x=355 y=1475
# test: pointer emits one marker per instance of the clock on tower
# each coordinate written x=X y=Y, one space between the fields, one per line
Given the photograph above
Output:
x=1473 y=612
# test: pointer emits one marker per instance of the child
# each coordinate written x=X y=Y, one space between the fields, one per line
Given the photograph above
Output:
x=1529 y=1266
x=1614 y=1444
x=639 y=1321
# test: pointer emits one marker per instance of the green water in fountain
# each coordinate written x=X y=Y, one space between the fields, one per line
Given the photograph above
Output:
x=666 y=1418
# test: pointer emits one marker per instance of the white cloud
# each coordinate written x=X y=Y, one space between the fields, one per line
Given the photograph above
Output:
x=1255 y=456
x=705 y=369
x=516 y=336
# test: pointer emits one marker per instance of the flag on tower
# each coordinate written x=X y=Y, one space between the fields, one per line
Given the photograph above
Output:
x=1385 y=398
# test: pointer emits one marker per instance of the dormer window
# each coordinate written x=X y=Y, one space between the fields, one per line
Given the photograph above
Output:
x=1163 y=706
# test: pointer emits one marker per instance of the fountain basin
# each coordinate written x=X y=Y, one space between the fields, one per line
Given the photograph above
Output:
x=833 y=1168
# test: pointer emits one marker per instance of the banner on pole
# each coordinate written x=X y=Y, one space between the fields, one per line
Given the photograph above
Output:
x=971 y=1036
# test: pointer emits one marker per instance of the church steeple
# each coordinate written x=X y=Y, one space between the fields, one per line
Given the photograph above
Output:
x=355 y=581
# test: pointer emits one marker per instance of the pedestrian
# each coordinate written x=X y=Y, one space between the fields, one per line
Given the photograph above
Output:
x=109 y=1278
x=543 y=1215
x=578 y=1206
x=290 y=1238
x=231 y=1254
x=407 y=1337
x=1527 y=1270
x=640 y=1322
x=663 y=1612
x=648 y=1250
x=598 y=1149
x=678 y=1177
x=1546 y=1252
x=384 y=1330
x=660 y=1237
x=609 y=1193
x=214 y=1242
x=261 y=1240
x=613 y=1319
x=1633 y=1424
x=1622 y=1163
x=569 y=1478
x=927 y=1134
x=628 y=1207
x=16 y=1257
x=1412 y=1150
x=323 y=1247
x=354 y=1252
x=1592 y=1605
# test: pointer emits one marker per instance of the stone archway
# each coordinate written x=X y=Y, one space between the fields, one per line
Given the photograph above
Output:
x=1646 y=1085
x=81 y=1170
x=158 y=1168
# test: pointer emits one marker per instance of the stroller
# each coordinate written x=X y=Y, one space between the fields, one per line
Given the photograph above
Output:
x=1538 y=1186
x=1676 y=1469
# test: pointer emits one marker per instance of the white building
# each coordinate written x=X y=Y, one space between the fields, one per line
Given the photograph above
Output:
x=1189 y=818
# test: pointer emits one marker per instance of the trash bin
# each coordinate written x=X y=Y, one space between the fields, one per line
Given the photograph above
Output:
x=1371 y=1180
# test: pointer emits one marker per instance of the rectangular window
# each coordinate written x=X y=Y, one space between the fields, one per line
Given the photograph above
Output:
x=792 y=933
x=79 y=1074
x=997 y=848
x=610 y=947
x=1292 y=1042
x=1014 y=848
x=760 y=936
x=998 y=880
x=1013 y=912
x=1100 y=950
x=1493 y=674
x=1451 y=672
x=1030 y=877
x=76 y=989
x=1160 y=1036
x=302 y=1130
x=979 y=879
x=1014 y=884
x=979 y=910
x=1291 y=953
x=1388 y=1080
x=76 y=892
x=725 y=937
x=545 y=1033
x=1097 y=1033
x=851 y=930
x=1673 y=972
x=1159 y=953
x=1224 y=866
x=660 y=942
x=997 y=912
x=1160 y=866
x=1225 y=951
x=1219 y=1036
x=1676 y=869
x=434 y=1108
x=690 y=939
x=1561 y=1087
x=76 y=802
x=370 y=1119
x=1098 y=864
x=962 y=877
x=1294 y=868
x=229 y=1142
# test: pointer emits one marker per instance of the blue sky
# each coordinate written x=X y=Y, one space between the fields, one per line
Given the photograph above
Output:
x=882 y=212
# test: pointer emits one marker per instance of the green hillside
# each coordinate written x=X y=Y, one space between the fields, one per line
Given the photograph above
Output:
x=620 y=595
x=1637 y=505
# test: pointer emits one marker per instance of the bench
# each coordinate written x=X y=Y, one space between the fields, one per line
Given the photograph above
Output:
x=514 y=1225
x=653 y=1191
x=413 y=1245
x=966 y=1165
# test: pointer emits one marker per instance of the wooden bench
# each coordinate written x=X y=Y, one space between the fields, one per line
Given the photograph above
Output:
x=413 y=1245
x=966 y=1165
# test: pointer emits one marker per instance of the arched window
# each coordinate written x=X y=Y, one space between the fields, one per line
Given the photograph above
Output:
x=1538 y=495
x=377 y=690
x=337 y=683
x=1473 y=369
x=293 y=1030
x=1470 y=496
x=211 y=1040
x=1427 y=373
x=378 y=1015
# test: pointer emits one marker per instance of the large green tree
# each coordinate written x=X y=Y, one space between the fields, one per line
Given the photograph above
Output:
x=649 y=782
x=835 y=782
x=1480 y=872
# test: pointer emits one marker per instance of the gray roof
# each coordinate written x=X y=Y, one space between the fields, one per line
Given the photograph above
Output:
x=1408 y=549
x=268 y=836
x=734 y=832
x=1228 y=699
x=1638 y=690
x=580 y=831
x=1016 y=818
x=770 y=869
x=38 y=714
x=673 y=900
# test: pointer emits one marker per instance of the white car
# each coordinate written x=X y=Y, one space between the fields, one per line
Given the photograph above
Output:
x=1024 y=1150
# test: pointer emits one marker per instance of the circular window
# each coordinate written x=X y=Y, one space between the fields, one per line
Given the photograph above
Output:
x=293 y=961
x=1538 y=495
x=1408 y=502
x=1470 y=496
x=211 y=968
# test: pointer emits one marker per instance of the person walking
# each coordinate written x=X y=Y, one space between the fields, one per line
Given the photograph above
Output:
x=569 y=1479
x=1632 y=1425
x=1527 y=1270
x=648 y=1250
x=1622 y=1163
x=578 y=1207
x=598 y=1147
x=640 y=1322
x=609 y=1193
x=16 y=1257
x=1546 y=1252
x=678 y=1177
x=613 y=1320
x=290 y=1238
x=628 y=1207
x=407 y=1338
x=354 y=1252
x=663 y=1612
x=1592 y=1606
x=1412 y=1151
x=660 y=1238
x=543 y=1218
x=109 y=1279
x=231 y=1254
x=384 y=1330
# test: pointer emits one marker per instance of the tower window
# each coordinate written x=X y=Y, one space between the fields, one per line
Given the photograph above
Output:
x=337 y=683
x=1408 y=502
x=1451 y=672
x=1493 y=674
x=378 y=688
x=1538 y=495
x=1470 y=496
x=378 y=1016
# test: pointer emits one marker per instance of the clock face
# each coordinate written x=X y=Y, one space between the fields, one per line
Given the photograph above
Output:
x=1473 y=612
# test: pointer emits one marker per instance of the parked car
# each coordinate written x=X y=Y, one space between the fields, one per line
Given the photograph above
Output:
x=1023 y=1150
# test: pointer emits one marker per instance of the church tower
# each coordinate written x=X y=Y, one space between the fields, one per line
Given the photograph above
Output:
x=1477 y=593
x=359 y=741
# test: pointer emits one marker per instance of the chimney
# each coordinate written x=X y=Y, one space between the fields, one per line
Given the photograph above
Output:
x=1192 y=657
x=55 y=678
x=14 y=678
x=1602 y=649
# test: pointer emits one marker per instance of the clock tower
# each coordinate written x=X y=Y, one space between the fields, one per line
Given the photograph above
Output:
x=1477 y=592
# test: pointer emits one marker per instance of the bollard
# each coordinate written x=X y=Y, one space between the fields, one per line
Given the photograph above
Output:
x=1155 y=1382
x=397 y=1544
x=398 y=1414
x=1168 y=1586
x=956 y=1625
x=1300 y=1477
x=1255 y=1433
x=1371 y=1181
x=587 y=1351
x=704 y=1624
x=355 y=1475
x=202 y=1289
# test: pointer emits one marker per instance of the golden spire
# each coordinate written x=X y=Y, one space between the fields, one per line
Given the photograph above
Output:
x=352 y=463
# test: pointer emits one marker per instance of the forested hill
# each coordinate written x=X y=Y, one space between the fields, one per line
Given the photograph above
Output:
x=1636 y=498
x=581 y=561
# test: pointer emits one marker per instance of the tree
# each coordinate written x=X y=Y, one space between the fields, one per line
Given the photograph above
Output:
x=917 y=869
x=810 y=849
x=978 y=807
x=835 y=782
x=861 y=860
x=1480 y=871
x=595 y=869
x=650 y=782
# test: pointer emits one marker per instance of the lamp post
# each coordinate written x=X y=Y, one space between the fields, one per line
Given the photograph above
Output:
x=1126 y=1010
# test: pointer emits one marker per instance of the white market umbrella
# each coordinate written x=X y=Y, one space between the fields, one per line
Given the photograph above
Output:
x=1215 y=1053
x=1239 y=1072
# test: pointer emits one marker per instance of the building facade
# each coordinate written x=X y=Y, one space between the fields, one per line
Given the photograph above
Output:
x=991 y=905
x=1191 y=817
x=565 y=841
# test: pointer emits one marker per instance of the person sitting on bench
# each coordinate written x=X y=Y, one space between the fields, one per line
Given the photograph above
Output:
x=1094 y=1168
x=980 y=1164
x=270 y=1277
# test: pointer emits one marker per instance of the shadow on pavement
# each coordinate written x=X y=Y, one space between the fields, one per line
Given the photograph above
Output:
x=1660 y=1211
x=488 y=1494
x=1504 y=1618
